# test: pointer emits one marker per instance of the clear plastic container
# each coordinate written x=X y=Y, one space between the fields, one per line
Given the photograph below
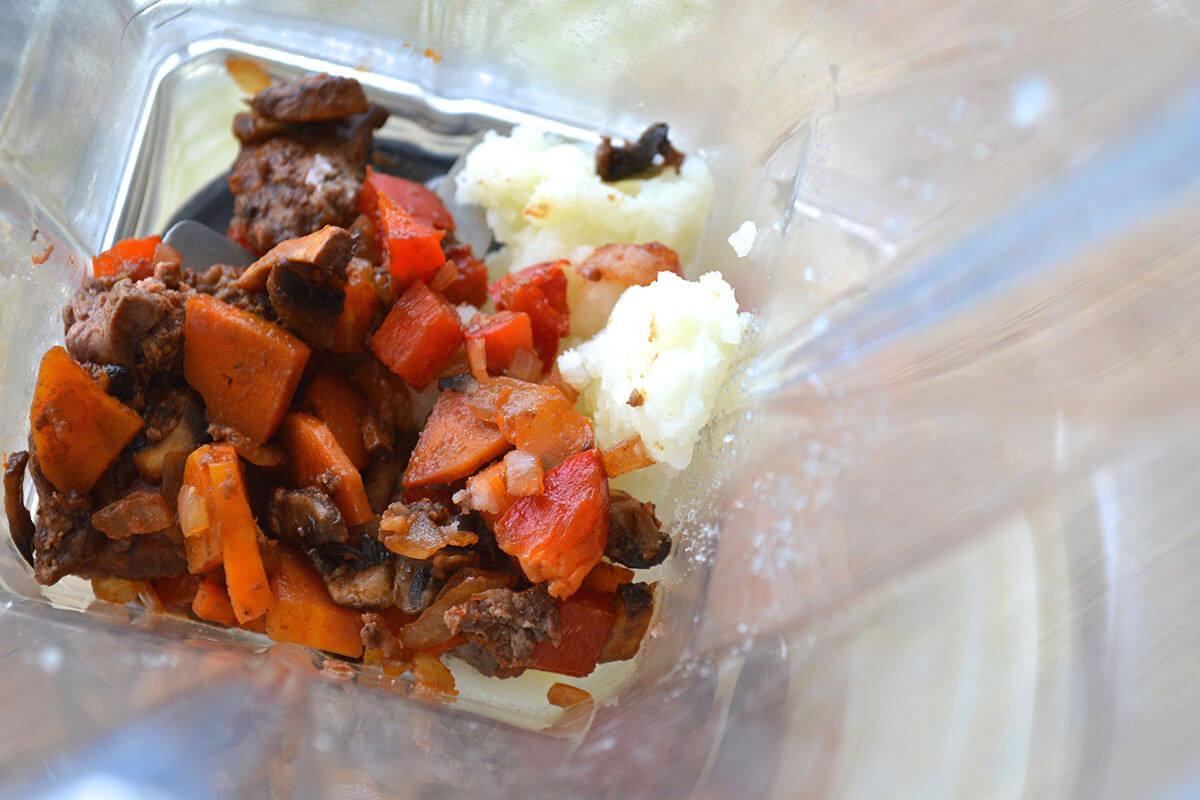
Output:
x=941 y=543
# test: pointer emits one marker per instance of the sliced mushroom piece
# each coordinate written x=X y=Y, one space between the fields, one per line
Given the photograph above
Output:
x=20 y=523
x=635 y=536
x=633 y=606
x=416 y=585
x=370 y=588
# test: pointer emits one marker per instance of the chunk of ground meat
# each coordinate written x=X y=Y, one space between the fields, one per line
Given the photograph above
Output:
x=635 y=536
x=64 y=540
x=220 y=281
x=137 y=558
x=508 y=624
x=134 y=325
x=311 y=98
x=301 y=180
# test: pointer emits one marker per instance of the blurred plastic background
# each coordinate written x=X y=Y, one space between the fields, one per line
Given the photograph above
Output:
x=944 y=543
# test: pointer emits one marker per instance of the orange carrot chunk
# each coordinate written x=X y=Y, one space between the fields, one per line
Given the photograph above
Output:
x=212 y=602
x=503 y=334
x=78 y=429
x=453 y=444
x=244 y=367
x=606 y=577
x=358 y=313
x=245 y=576
x=304 y=614
x=201 y=539
x=340 y=405
x=418 y=335
x=559 y=536
x=312 y=451
x=132 y=257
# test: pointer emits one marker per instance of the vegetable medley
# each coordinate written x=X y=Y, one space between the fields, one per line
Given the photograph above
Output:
x=254 y=446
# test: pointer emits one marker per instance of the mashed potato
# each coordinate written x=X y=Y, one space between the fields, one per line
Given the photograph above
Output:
x=656 y=367
x=544 y=200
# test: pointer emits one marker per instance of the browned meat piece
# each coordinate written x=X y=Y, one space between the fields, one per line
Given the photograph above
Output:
x=64 y=541
x=20 y=524
x=134 y=514
x=138 y=326
x=311 y=98
x=635 y=536
x=633 y=606
x=484 y=662
x=636 y=159
x=416 y=585
x=302 y=179
x=251 y=126
x=306 y=518
x=138 y=558
x=508 y=624
x=221 y=281
x=365 y=589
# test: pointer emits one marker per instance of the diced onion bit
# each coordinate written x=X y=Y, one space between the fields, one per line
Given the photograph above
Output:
x=523 y=473
x=432 y=679
x=477 y=357
x=118 y=590
x=249 y=76
x=410 y=532
x=525 y=366
x=565 y=695
x=625 y=456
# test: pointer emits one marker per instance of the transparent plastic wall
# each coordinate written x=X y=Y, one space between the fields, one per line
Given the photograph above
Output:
x=943 y=542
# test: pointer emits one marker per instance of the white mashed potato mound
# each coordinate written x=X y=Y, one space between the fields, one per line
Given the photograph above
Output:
x=544 y=200
x=669 y=345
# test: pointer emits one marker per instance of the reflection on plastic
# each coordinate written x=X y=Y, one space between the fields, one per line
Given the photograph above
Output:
x=954 y=556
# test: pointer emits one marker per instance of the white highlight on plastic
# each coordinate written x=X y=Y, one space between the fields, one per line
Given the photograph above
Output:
x=743 y=238
x=1029 y=100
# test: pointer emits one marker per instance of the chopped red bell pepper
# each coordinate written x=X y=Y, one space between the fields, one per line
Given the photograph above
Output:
x=470 y=284
x=503 y=334
x=423 y=203
x=587 y=621
x=418 y=335
x=177 y=590
x=412 y=248
x=559 y=536
x=132 y=257
x=541 y=292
